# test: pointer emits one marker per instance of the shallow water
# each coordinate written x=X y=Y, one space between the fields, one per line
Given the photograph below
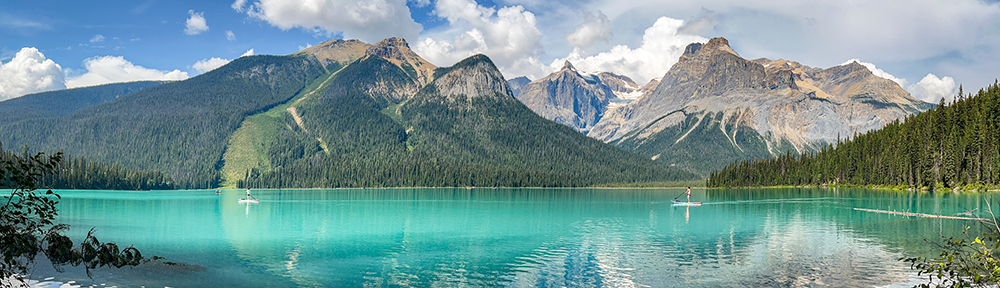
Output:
x=512 y=237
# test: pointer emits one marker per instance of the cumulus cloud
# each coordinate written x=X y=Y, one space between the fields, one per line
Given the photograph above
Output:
x=932 y=89
x=196 y=23
x=97 y=38
x=28 y=72
x=230 y=35
x=368 y=20
x=662 y=45
x=210 y=64
x=878 y=72
x=595 y=28
x=507 y=35
x=238 y=5
x=113 y=69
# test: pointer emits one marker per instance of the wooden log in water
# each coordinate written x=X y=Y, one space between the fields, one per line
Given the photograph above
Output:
x=921 y=214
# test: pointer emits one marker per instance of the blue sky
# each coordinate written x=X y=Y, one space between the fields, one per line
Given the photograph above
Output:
x=928 y=47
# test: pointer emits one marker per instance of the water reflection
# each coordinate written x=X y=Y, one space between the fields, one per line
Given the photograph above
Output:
x=518 y=237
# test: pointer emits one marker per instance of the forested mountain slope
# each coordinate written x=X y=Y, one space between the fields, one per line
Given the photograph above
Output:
x=951 y=146
x=180 y=127
x=62 y=102
x=464 y=128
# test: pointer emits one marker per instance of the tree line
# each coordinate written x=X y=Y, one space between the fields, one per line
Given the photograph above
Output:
x=79 y=173
x=955 y=145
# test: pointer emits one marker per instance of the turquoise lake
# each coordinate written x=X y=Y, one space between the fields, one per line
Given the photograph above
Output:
x=460 y=237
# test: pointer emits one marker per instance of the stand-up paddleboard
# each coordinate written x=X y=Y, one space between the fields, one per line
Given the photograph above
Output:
x=255 y=201
x=679 y=203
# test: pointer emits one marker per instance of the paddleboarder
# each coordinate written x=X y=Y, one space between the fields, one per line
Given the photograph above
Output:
x=688 y=192
x=248 y=194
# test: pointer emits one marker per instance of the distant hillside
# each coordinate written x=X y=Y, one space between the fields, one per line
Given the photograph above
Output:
x=62 y=102
x=179 y=128
x=951 y=146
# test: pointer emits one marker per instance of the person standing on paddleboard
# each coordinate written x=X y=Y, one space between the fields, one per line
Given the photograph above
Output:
x=248 y=194
x=689 y=194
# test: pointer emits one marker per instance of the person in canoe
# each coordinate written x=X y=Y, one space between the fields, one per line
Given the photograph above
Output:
x=688 y=192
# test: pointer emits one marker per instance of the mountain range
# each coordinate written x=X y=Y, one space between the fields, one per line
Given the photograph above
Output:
x=338 y=114
x=346 y=113
x=714 y=107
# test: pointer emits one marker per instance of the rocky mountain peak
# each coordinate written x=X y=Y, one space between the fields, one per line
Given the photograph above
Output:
x=390 y=48
x=718 y=44
x=568 y=66
x=337 y=50
x=397 y=51
x=714 y=46
x=473 y=77
x=517 y=83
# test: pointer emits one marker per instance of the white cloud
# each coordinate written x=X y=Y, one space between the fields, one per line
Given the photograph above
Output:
x=878 y=72
x=29 y=72
x=932 y=89
x=97 y=38
x=238 y=5
x=507 y=35
x=230 y=35
x=661 y=46
x=210 y=64
x=595 y=28
x=368 y=20
x=113 y=69
x=196 y=23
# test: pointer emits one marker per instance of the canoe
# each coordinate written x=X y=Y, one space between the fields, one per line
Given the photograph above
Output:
x=679 y=203
x=255 y=201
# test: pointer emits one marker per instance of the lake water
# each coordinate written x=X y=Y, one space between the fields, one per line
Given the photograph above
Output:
x=512 y=237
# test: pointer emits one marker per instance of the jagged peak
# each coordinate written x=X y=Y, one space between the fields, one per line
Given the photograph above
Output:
x=389 y=48
x=714 y=46
x=568 y=66
x=472 y=77
x=521 y=78
x=691 y=49
x=393 y=41
x=397 y=51
x=718 y=44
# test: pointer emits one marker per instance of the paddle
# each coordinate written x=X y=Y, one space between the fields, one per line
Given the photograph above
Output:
x=679 y=196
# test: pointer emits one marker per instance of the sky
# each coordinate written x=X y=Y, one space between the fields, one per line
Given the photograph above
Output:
x=928 y=47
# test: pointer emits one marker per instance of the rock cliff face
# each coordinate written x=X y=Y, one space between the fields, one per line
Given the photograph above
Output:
x=398 y=52
x=714 y=107
x=473 y=77
x=576 y=99
x=517 y=83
